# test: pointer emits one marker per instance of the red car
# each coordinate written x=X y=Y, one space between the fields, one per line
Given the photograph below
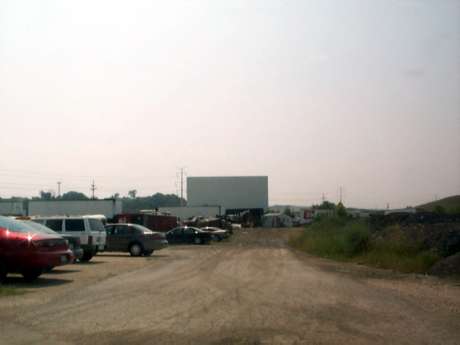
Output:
x=28 y=251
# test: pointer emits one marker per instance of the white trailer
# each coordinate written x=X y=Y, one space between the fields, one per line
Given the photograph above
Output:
x=45 y=208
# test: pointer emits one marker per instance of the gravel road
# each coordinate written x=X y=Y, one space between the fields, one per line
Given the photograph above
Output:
x=250 y=290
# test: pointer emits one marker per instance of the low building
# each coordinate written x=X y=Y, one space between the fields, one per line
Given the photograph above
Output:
x=276 y=220
x=241 y=196
x=407 y=210
x=12 y=208
x=107 y=207
x=229 y=192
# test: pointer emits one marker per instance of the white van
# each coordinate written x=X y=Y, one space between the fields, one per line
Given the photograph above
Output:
x=90 y=230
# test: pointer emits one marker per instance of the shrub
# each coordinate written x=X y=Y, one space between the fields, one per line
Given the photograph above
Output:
x=357 y=239
x=334 y=237
x=344 y=239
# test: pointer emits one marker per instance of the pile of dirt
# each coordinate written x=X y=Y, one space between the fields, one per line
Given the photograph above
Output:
x=443 y=238
x=449 y=266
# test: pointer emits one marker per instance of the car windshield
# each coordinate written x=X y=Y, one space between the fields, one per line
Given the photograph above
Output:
x=16 y=225
x=39 y=227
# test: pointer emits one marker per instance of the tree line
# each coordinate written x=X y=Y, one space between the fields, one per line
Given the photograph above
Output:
x=131 y=202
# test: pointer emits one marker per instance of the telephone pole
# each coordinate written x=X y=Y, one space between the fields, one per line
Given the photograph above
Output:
x=93 y=188
x=59 y=189
x=181 y=186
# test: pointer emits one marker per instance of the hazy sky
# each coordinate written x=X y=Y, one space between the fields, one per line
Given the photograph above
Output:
x=314 y=94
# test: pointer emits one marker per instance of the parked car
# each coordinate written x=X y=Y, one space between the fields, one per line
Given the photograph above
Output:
x=216 y=233
x=91 y=231
x=74 y=241
x=188 y=234
x=133 y=238
x=28 y=251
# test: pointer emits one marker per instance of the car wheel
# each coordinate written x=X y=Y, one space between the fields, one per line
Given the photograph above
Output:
x=31 y=274
x=135 y=249
x=198 y=240
x=148 y=252
x=3 y=272
x=87 y=255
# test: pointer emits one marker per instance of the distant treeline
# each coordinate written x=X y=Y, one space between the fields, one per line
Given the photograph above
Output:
x=151 y=202
x=131 y=203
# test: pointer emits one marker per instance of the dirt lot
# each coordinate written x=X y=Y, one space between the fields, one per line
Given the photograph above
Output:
x=251 y=290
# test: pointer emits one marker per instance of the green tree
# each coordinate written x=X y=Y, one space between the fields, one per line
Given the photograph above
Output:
x=151 y=202
x=46 y=195
x=326 y=205
x=132 y=194
x=73 y=195
x=341 y=211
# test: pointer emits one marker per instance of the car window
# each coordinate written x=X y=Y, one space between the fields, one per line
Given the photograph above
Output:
x=96 y=225
x=54 y=224
x=177 y=231
x=74 y=225
x=189 y=231
x=121 y=230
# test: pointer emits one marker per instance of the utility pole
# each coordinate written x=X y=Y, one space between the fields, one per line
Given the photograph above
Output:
x=181 y=186
x=93 y=188
x=59 y=189
x=340 y=198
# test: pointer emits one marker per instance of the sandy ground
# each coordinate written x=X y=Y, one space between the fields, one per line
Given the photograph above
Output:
x=251 y=290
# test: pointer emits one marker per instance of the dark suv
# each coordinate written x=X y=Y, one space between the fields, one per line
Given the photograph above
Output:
x=133 y=238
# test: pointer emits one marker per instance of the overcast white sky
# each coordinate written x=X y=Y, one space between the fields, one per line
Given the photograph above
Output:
x=314 y=94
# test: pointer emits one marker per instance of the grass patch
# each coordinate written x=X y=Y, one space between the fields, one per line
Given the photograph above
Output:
x=351 y=240
x=333 y=238
x=10 y=291
x=414 y=263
